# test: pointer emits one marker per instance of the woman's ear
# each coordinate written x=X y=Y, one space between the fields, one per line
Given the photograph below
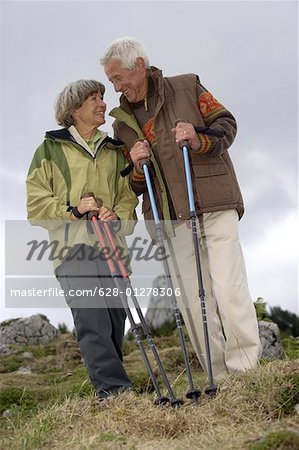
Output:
x=74 y=115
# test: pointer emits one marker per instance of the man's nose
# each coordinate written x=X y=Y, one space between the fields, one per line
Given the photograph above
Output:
x=117 y=86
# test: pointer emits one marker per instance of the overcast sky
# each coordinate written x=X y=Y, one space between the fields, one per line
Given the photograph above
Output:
x=246 y=54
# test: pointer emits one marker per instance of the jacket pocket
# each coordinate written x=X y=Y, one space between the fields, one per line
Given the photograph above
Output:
x=214 y=185
x=210 y=170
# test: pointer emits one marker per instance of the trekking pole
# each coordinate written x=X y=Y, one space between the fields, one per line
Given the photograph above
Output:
x=212 y=388
x=175 y=402
x=160 y=400
x=192 y=393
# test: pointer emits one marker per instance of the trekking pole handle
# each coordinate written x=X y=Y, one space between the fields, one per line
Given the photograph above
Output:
x=92 y=214
x=144 y=162
x=99 y=201
x=182 y=143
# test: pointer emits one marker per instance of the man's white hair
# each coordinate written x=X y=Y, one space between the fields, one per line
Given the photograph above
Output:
x=126 y=50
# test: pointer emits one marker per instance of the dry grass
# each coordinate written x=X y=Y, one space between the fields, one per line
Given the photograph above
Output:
x=248 y=406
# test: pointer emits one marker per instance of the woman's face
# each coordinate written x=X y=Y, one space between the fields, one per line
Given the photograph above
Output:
x=91 y=112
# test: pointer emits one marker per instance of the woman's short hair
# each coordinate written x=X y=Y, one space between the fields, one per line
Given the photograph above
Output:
x=126 y=50
x=72 y=97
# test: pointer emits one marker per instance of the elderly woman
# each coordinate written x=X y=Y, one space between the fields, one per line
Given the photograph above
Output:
x=72 y=161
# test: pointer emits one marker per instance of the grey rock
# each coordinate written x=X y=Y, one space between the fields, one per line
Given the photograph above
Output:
x=27 y=355
x=159 y=311
x=5 y=350
x=24 y=370
x=270 y=340
x=7 y=414
x=29 y=331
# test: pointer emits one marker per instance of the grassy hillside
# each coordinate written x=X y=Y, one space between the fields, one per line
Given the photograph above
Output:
x=47 y=402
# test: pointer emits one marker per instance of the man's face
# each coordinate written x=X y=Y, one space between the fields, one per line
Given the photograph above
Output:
x=130 y=82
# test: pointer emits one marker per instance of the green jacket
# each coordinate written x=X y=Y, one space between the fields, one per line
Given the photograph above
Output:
x=61 y=171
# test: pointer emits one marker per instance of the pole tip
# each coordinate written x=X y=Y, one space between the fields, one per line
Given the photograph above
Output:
x=161 y=400
x=211 y=391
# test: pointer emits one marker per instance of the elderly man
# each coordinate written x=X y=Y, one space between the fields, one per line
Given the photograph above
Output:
x=149 y=121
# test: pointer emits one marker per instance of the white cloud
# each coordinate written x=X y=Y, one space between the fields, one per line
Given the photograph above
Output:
x=272 y=264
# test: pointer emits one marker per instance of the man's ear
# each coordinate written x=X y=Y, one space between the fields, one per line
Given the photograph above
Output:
x=140 y=64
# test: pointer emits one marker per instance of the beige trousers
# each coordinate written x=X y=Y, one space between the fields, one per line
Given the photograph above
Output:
x=231 y=319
